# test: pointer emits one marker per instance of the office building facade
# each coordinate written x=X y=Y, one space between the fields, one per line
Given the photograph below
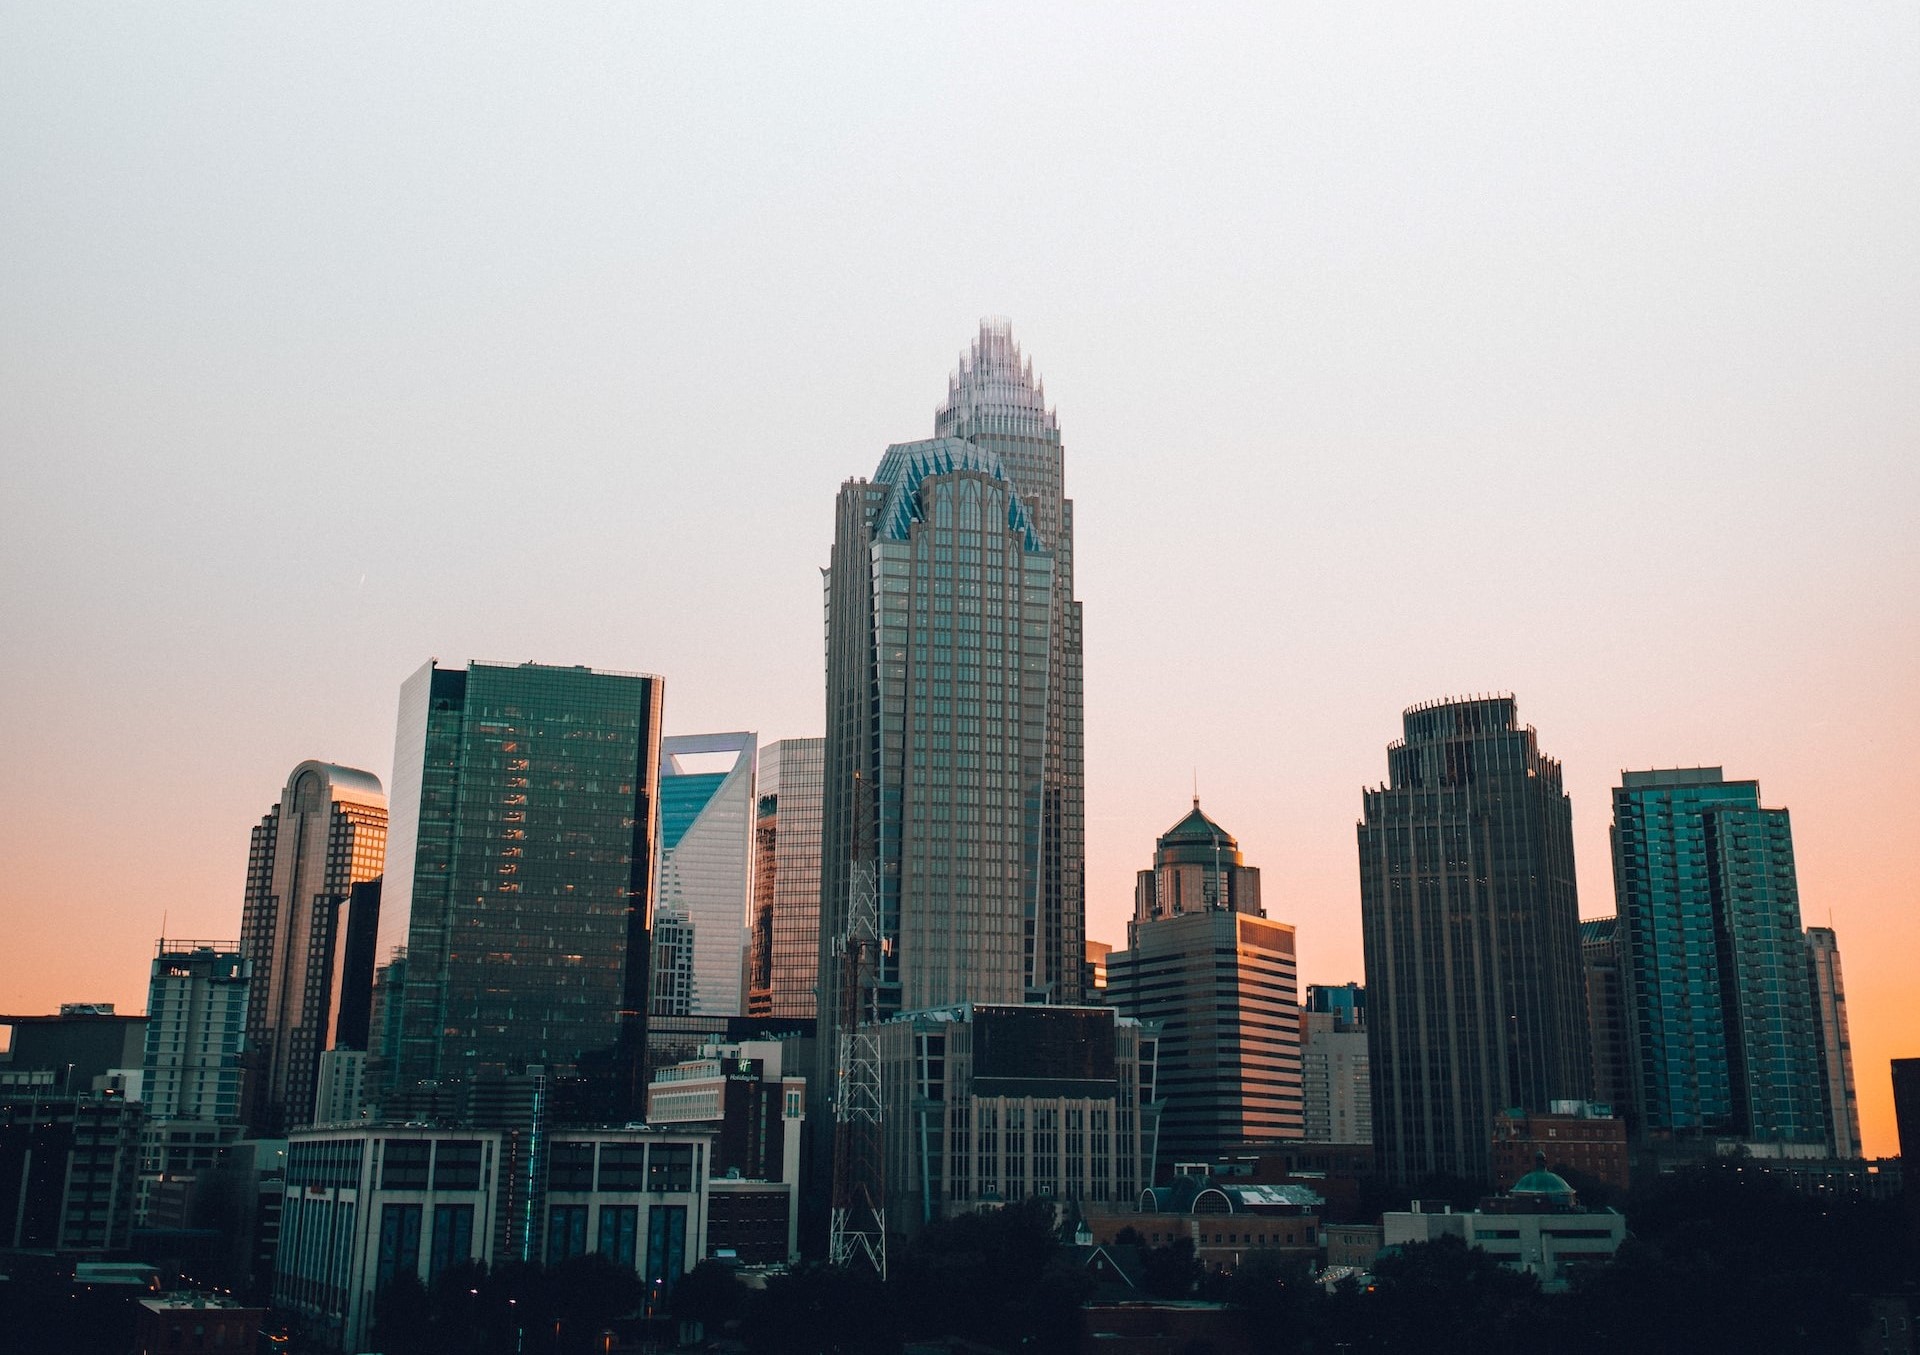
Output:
x=521 y=876
x=986 y=1105
x=308 y=928
x=1836 y=1046
x=365 y=1205
x=785 y=947
x=1336 y=1082
x=1714 y=962
x=705 y=866
x=196 y=1032
x=1607 y=1016
x=1220 y=982
x=1470 y=919
x=952 y=764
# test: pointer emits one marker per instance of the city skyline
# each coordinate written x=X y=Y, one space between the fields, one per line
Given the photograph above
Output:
x=1322 y=307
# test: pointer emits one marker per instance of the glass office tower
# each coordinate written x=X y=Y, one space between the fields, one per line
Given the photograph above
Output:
x=307 y=928
x=521 y=876
x=705 y=870
x=1836 y=1047
x=786 y=880
x=952 y=755
x=1471 y=926
x=1713 y=960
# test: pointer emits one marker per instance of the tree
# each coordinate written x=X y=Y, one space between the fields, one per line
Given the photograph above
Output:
x=403 y=1317
x=710 y=1293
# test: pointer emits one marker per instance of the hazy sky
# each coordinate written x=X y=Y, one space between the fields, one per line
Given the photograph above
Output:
x=1399 y=351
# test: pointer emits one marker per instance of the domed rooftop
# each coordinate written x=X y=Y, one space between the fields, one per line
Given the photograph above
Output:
x=1198 y=838
x=1543 y=1184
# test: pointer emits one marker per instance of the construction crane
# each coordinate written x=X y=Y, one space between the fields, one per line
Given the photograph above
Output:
x=859 y=1225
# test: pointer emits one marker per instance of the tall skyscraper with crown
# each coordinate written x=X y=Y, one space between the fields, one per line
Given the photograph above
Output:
x=953 y=749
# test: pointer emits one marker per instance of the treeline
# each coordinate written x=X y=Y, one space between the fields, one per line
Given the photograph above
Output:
x=1719 y=1258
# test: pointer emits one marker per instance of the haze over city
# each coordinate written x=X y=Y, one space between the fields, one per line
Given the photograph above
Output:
x=1396 y=354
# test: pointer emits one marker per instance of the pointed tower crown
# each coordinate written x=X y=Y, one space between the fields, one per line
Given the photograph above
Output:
x=994 y=381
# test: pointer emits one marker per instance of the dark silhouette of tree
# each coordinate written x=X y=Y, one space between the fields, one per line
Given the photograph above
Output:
x=999 y=1276
x=822 y=1310
x=711 y=1294
x=403 y=1317
x=1171 y=1272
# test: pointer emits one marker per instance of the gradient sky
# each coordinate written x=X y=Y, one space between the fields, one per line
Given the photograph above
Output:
x=1399 y=351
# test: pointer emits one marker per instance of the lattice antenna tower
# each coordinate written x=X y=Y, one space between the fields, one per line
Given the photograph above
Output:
x=859 y=1224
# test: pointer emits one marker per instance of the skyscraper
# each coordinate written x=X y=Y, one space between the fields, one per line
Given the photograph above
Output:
x=196 y=1029
x=1471 y=927
x=785 y=959
x=1836 y=1048
x=1221 y=982
x=521 y=875
x=705 y=865
x=953 y=749
x=1607 y=1016
x=308 y=932
x=1713 y=959
x=1336 y=1085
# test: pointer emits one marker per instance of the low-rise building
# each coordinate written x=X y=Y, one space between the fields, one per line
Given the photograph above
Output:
x=175 y=1324
x=1539 y=1226
x=364 y=1204
x=990 y=1104
x=1225 y=1221
x=755 y=1111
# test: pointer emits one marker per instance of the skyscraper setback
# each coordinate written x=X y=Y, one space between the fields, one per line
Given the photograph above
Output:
x=521 y=876
x=307 y=929
x=1471 y=927
x=953 y=745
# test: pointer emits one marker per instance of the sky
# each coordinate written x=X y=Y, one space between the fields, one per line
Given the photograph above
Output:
x=1399 y=351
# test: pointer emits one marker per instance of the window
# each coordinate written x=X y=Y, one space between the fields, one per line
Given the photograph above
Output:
x=666 y=1245
x=399 y=1241
x=456 y=1164
x=623 y=1167
x=619 y=1226
x=671 y=1167
x=452 y=1238
x=405 y=1165
x=566 y=1232
x=571 y=1167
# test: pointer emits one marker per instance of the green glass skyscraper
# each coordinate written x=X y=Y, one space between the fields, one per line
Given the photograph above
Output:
x=520 y=872
x=1724 y=1036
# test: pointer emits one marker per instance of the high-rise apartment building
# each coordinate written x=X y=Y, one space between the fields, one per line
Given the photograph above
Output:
x=1713 y=960
x=1336 y=1082
x=785 y=948
x=952 y=760
x=1471 y=926
x=1221 y=982
x=1836 y=1048
x=705 y=864
x=196 y=1031
x=308 y=930
x=1607 y=1016
x=521 y=874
